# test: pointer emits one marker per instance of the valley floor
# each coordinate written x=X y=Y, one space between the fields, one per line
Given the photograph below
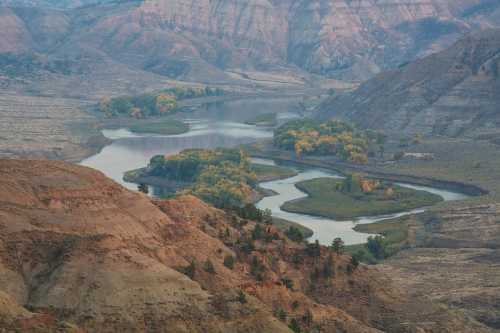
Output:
x=43 y=127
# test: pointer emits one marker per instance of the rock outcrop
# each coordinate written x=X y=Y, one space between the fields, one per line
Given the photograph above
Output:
x=79 y=248
x=453 y=93
x=227 y=41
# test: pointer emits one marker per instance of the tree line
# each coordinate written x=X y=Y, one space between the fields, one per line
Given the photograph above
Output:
x=331 y=138
x=153 y=104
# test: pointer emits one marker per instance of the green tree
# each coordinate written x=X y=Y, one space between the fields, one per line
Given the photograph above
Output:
x=209 y=267
x=242 y=297
x=190 y=270
x=377 y=246
x=294 y=234
x=313 y=249
x=338 y=245
x=257 y=232
x=267 y=216
x=287 y=282
x=280 y=314
x=229 y=261
x=294 y=325
x=257 y=268
x=329 y=267
x=143 y=188
x=307 y=318
x=354 y=262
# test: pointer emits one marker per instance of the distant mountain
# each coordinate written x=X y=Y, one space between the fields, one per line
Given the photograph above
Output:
x=234 y=41
x=62 y=4
x=454 y=92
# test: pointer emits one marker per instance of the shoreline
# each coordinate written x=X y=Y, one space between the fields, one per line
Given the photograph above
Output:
x=343 y=168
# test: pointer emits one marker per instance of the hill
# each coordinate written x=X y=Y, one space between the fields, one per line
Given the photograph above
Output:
x=79 y=248
x=452 y=93
x=272 y=43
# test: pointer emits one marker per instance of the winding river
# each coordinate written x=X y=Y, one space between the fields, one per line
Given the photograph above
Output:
x=221 y=125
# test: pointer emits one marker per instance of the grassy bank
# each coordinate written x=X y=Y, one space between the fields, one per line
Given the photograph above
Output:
x=266 y=119
x=327 y=201
x=162 y=127
x=266 y=173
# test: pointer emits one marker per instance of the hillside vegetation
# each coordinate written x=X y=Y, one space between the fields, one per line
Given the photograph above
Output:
x=183 y=265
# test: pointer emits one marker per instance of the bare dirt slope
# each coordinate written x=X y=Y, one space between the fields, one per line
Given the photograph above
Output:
x=454 y=259
x=453 y=93
x=53 y=128
x=77 y=246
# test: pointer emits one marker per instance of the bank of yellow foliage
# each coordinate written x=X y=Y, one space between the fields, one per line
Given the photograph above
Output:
x=165 y=103
x=333 y=138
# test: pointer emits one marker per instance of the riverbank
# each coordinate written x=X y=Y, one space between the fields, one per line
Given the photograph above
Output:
x=163 y=127
x=373 y=171
x=326 y=200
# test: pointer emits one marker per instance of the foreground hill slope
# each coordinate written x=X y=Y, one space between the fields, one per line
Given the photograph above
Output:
x=453 y=92
x=80 y=248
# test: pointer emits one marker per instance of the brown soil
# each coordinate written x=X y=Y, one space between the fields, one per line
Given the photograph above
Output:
x=82 y=249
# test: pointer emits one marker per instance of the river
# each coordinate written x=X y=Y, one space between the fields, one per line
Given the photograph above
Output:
x=221 y=125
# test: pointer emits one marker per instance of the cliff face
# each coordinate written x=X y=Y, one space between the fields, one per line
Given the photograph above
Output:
x=210 y=40
x=343 y=39
x=79 y=248
x=452 y=93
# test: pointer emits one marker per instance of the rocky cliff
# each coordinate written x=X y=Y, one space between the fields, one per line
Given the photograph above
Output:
x=76 y=247
x=453 y=92
x=227 y=41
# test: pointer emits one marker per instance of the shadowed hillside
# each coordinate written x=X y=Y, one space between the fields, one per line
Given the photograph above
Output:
x=453 y=92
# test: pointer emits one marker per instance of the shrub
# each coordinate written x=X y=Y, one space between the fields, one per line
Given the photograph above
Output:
x=294 y=325
x=229 y=261
x=242 y=297
x=338 y=245
x=190 y=270
x=313 y=249
x=294 y=234
x=209 y=267
x=287 y=282
x=377 y=246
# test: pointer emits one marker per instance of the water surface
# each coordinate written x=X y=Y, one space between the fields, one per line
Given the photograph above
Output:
x=326 y=229
x=221 y=125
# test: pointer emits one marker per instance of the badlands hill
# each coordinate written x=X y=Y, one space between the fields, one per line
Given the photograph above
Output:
x=83 y=253
x=227 y=42
x=452 y=93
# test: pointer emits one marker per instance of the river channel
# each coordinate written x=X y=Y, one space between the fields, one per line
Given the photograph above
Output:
x=222 y=125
